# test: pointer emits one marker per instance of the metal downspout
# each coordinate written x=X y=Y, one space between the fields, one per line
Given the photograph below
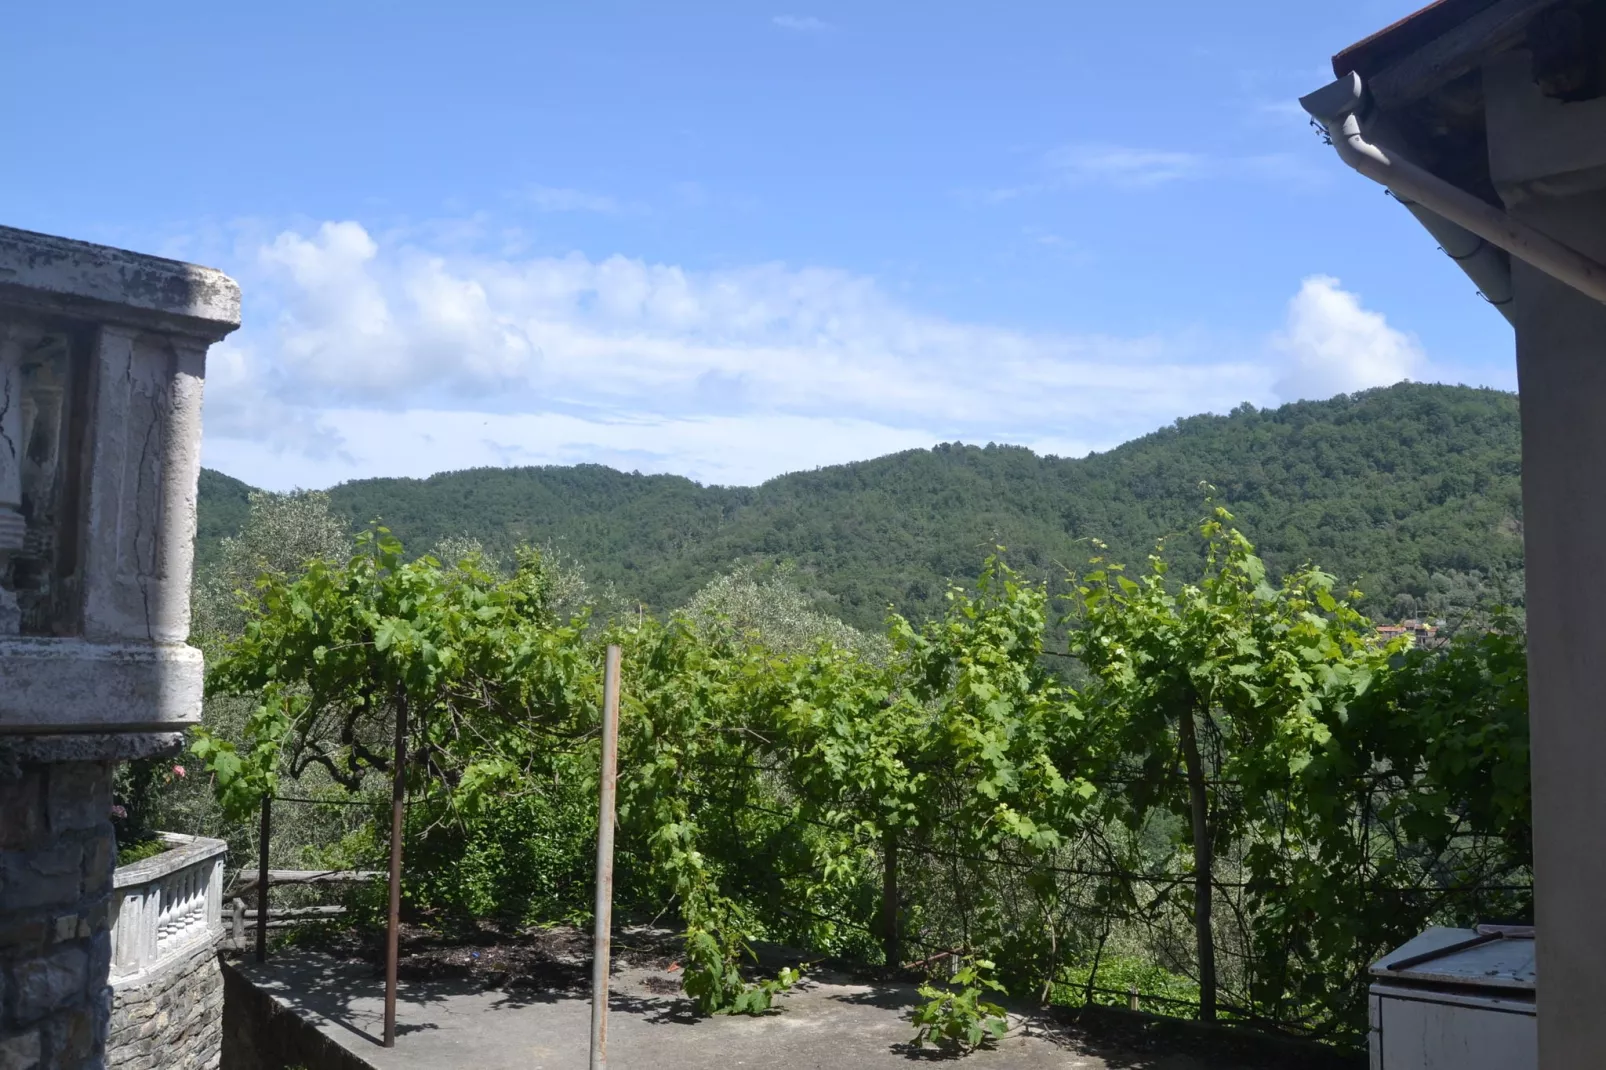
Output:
x=1485 y=264
x=1458 y=219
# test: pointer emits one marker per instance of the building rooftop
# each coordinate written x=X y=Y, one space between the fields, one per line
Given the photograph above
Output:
x=1381 y=50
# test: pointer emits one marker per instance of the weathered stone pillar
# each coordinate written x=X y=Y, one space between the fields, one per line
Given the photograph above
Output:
x=1548 y=160
x=102 y=355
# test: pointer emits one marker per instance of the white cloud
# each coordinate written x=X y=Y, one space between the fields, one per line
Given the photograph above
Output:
x=1332 y=345
x=556 y=199
x=736 y=449
x=242 y=405
x=1123 y=166
x=373 y=356
x=801 y=23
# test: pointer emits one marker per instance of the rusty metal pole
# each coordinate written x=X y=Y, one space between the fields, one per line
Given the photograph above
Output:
x=891 y=938
x=604 y=910
x=262 y=876
x=398 y=805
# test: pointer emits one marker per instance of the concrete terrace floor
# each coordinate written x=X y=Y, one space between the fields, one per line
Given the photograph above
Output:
x=828 y=1022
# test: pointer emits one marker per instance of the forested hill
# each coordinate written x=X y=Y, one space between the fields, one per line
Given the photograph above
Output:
x=1407 y=490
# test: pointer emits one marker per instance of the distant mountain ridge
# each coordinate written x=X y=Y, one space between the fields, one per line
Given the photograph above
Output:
x=1394 y=489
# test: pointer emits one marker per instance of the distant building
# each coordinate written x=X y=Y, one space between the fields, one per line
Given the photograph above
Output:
x=1425 y=633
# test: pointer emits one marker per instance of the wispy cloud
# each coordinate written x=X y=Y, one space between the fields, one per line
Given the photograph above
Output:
x=1123 y=166
x=802 y=23
x=557 y=199
x=1282 y=111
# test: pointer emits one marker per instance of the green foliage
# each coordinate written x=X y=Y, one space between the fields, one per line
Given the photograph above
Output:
x=225 y=504
x=1114 y=976
x=957 y=1014
x=137 y=790
x=338 y=654
x=1423 y=786
x=1259 y=673
x=773 y=781
x=139 y=850
x=1329 y=761
x=527 y=859
x=1402 y=490
x=1453 y=721
x=771 y=611
x=278 y=535
x=765 y=787
x=713 y=980
x=566 y=591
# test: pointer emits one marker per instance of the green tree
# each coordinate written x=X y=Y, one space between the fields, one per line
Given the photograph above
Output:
x=1388 y=489
x=475 y=669
x=280 y=535
x=1235 y=679
x=770 y=610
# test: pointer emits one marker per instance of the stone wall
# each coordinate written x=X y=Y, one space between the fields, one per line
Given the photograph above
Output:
x=167 y=992
x=171 y=1021
x=57 y=853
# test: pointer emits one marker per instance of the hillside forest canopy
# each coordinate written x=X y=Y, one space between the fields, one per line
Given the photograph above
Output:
x=1410 y=493
x=1193 y=768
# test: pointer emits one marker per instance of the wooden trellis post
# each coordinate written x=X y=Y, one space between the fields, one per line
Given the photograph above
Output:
x=604 y=907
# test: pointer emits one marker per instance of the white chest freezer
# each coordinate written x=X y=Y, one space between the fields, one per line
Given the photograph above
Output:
x=1456 y=999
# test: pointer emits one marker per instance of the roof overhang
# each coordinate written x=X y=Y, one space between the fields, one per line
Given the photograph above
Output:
x=1424 y=74
x=1418 y=106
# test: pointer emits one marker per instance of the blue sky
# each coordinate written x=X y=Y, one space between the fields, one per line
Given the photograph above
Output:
x=732 y=240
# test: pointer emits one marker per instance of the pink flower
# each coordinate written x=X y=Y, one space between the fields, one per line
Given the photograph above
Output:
x=178 y=770
x=118 y=812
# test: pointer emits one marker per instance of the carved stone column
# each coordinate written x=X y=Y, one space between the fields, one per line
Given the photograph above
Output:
x=13 y=528
x=102 y=357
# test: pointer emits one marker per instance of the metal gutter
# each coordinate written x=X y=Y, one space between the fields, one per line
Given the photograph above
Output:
x=1485 y=264
x=1433 y=200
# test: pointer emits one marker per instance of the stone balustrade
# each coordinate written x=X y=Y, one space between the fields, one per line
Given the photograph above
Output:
x=166 y=907
x=167 y=991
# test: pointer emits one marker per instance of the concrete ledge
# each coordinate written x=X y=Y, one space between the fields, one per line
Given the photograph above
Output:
x=261 y=1032
x=52 y=686
x=114 y=285
x=184 y=852
x=16 y=751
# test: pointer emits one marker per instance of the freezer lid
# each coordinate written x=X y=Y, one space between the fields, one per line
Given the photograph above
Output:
x=1496 y=964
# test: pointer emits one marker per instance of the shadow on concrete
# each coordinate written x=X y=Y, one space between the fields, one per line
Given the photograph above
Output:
x=831 y=1018
x=890 y=997
x=1120 y=1039
x=654 y=1010
x=325 y=990
x=1133 y=1040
